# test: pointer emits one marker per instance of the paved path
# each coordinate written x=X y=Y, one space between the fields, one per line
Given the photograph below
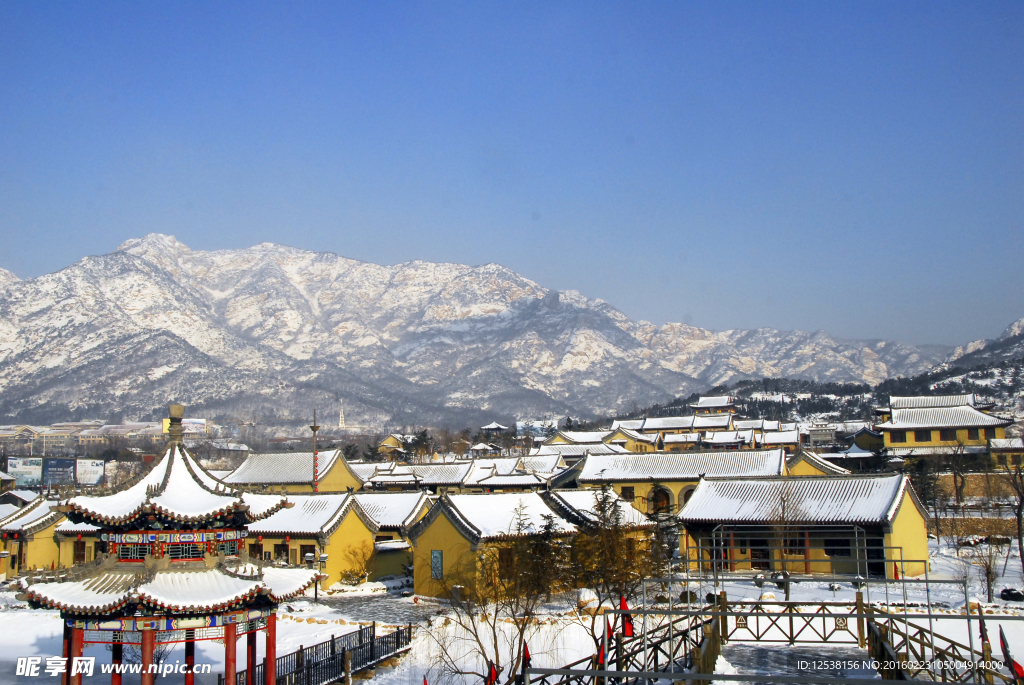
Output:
x=778 y=660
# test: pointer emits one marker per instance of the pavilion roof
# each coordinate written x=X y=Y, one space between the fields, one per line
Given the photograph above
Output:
x=189 y=590
x=178 y=488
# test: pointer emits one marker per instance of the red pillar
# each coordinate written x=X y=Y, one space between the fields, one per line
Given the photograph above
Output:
x=65 y=677
x=270 y=674
x=229 y=654
x=190 y=657
x=116 y=652
x=250 y=657
x=77 y=634
x=148 y=644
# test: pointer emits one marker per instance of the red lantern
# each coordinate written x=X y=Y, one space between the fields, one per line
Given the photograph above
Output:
x=288 y=539
x=260 y=538
x=79 y=536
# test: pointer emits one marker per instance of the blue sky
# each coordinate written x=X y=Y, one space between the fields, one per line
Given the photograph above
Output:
x=857 y=167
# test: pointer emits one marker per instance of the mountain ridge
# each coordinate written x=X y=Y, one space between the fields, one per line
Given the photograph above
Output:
x=275 y=330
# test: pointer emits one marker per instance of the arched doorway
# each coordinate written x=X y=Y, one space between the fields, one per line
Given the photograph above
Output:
x=685 y=495
x=661 y=500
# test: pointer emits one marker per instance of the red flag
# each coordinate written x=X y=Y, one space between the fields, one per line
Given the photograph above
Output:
x=895 y=571
x=608 y=634
x=492 y=675
x=627 y=619
x=1015 y=668
x=526 y=655
x=600 y=652
x=424 y=680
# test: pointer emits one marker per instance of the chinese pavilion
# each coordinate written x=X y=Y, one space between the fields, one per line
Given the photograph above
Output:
x=175 y=569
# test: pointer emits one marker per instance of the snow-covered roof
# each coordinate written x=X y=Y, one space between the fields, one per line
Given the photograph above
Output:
x=707 y=421
x=282 y=467
x=631 y=424
x=584 y=504
x=418 y=474
x=934 y=401
x=564 y=450
x=937 y=449
x=848 y=499
x=6 y=476
x=8 y=509
x=482 y=447
x=580 y=437
x=35 y=515
x=490 y=516
x=494 y=426
x=23 y=495
x=714 y=401
x=176 y=487
x=1006 y=444
x=660 y=423
x=945 y=417
x=178 y=590
x=818 y=462
x=671 y=466
x=543 y=463
x=393 y=510
x=634 y=435
x=311 y=514
x=67 y=527
x=680 y=438
x=728 y=437
x=791 y=437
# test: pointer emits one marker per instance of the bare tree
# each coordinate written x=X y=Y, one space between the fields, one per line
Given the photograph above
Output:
x=786 y=518
x=1015 y=480
x=986 y=559
x=612 y=559
x=496 y=594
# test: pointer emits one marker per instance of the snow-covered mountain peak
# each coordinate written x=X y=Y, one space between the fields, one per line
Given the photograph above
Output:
x=1015 y=328
x=276 y=329
x=7 y=277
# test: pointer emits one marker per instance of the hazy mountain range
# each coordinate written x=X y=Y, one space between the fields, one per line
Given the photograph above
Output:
x=272 y=331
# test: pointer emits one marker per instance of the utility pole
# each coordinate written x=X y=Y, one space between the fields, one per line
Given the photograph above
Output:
x=315 y=428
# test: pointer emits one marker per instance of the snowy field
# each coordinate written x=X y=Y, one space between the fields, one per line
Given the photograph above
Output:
x=556 y=639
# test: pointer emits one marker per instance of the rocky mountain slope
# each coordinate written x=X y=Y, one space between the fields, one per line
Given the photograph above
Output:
x=273 y=331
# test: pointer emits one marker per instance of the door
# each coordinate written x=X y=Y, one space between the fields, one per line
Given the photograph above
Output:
x=759 y=554
x=79 y=554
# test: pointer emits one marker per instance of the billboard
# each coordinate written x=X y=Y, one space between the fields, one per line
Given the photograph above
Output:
x=89 y=471
x=188 y=425
x=27 y=471
x=58 y=472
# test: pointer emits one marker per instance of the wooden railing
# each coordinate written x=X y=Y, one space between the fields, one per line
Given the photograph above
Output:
x=332 y=659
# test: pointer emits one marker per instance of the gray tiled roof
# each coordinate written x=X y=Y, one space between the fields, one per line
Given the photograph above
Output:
x=282 y=467
x=680 y=465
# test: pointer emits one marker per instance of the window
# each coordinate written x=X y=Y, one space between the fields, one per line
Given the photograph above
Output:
x=132 y=552
x=947 y=435
x=506 y=566
x=184 y=551
x=256 y=551
x=837 y=547
x=304 y=550
x=229 y=548
x=990 y=433
x=436 y=564
x=281 y=553
x=627 y=494
x=794 y=546
x=898 y=436
x=972 y=433
x=922 y=436
x=383 y=538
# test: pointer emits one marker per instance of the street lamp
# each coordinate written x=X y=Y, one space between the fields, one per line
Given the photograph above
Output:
x=322 y=559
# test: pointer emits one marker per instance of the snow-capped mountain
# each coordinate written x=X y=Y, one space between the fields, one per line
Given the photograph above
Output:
x=274 y=331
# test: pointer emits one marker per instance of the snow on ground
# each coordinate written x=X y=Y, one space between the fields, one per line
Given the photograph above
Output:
x=556 y=640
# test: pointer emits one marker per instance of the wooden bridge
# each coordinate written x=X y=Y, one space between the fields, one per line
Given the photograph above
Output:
x=686 y=646
x=334 y=660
